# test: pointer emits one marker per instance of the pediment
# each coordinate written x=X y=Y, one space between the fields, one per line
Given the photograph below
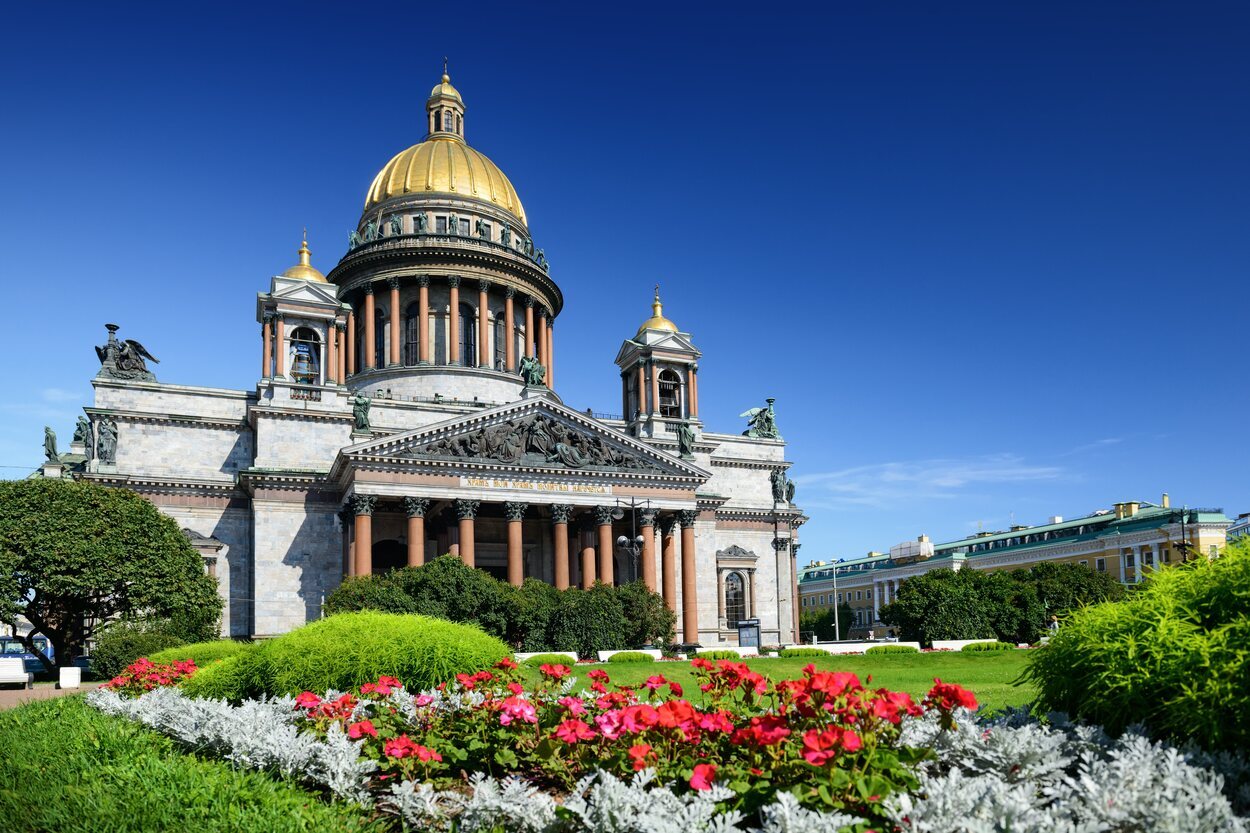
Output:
x=305 y=291
x=657 y=340
x=736 y=553
x=536 y=436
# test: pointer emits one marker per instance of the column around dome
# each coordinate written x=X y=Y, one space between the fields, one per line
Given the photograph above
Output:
x=483 y=328
x=509 y=354
x=423 y=324
x=371 y=357
x=551 y=354
x=453 y=321
x=266 y=361
x=340 y=334
x=351 y=343
x=529 y=327
x=394 y=319
x=280 y=345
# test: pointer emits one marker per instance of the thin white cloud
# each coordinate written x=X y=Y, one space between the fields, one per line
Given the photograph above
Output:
x=1096 y=444
x=58 y=395
x=895 y=484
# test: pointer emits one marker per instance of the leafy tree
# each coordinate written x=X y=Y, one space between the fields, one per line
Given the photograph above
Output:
x=648 y=620
x=589 y=620
x=1065 y=587
x=940 y=604
x=75 y=555
x=821 y=623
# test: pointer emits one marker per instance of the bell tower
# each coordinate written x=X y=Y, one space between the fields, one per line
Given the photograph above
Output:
x=659 y=377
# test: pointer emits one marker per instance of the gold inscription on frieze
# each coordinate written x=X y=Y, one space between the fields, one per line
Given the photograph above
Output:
x=534 y=486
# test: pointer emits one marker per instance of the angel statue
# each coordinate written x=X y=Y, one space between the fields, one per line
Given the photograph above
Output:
x=124 y=359
x=762 y=422
x=532 y=372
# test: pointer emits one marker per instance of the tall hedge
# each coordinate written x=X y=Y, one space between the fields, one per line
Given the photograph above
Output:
x=1175 y=655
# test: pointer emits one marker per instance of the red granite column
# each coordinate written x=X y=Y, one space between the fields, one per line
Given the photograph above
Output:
x=280 y=346
x=646 y=520
x=551 y=354
x=560 y=539
x=509 y=348
x=351 y=342
x=266 y=361
x=694 y=391
x=540 y=335
x=371 y=353
x=394 y=319
x=332 y=364
x=483 y=325
x=655 y=388
x=342 y=351
x=588 y=557
x=466 y=511
x=363 y=505
x=668 y=569
x=529 y=327
x=642 y=390
x=453 y=321
x=423 y=323
x=416 y=508
x=689 y=580
x=607 y=564
x=515 y=513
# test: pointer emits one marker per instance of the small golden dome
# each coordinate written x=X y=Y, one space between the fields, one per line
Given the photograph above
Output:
x=444 y=87
x=304 y=269
x=657 y=321
x=444 y=165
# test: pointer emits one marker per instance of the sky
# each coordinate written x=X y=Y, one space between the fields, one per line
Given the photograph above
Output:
x=990 y=258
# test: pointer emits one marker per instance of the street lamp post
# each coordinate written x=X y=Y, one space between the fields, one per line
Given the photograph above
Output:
x=631 y=545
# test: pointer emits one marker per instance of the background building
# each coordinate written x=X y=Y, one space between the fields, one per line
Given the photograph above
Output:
x=1127 y=541
x=406 y=406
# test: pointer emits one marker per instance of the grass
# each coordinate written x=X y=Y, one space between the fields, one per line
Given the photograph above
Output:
x=71 y=769
x=990 y=676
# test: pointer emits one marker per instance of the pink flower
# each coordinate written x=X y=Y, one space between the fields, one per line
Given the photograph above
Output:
x=555 y=672
x=609 y=724
x=306 y=700
x=424 y=754
x=572 y=731
x=422 y=700
x=639 y=718
x=703 y=776
x=400 y=747
x=574 y=705
x=654 y=682
x=517 y=708
x=362 y=727
x=719 y=722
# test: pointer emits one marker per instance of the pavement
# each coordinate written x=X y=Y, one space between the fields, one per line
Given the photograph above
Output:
x=11 y=695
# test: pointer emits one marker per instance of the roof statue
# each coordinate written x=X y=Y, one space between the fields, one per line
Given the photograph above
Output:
x=762 y=422
x=532 y=372
x=49 y=444
x=124 y=359
x=360 y=413
x=685 y=439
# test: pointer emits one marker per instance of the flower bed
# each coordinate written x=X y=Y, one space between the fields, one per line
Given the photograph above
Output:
x=820 y=752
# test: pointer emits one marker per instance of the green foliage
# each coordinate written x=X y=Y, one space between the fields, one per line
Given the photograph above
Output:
x=820 y=623
x=73 y=553
x=551 y=659
x=121 y=643
x=631 y=656
x=798 y=653
x=203 y=653
x=974 y=604
x=648 y=620
x=892 y=649
x=980 y=647
x=68 y=767
x=240 y=675
x=533 y=617
x=1175 y=655
x=714 y=654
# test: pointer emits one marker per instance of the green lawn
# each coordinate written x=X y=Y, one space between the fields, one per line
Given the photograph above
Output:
x=989 y=675
x=67 y=768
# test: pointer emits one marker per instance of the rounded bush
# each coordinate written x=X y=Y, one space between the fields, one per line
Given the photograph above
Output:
x=122 y=643
x=202 y=653
x=240 y=675
x=801 y=653
x=975 y=647
x=344 y=651
x=551 y=659
x=1173 y=656
x=714 y=654
x=892 y=649
x=631 y=656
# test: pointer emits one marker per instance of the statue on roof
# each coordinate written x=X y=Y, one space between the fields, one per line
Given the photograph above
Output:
x=107 y=446
x=371 y=231
x=532 y=372
x=360 y=413
x=354 y=240
x=420 y=222
x=453 y=225
x=762 y=422
x=783 y=487
x=82 y=434
x=685 y=439
x=505 y=235
x=479 y=228
x=49 y=444
x=124 y=359
x=397 y=225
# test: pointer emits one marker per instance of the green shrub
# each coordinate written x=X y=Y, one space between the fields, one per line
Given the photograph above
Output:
x=242 y=674
x=1175 y=655
x=68 y=767
x=551 y=659
x=649 y=621
x=589 y=621
x=203 y=653
x=121 y=643
x=800 y=653
x=893 y=649
x=631 y=656
x=976 y=647
x=714 y=654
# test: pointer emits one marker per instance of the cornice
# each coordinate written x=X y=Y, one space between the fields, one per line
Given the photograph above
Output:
x=169 y=419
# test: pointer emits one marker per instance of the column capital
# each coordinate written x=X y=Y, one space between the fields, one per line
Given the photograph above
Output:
x=603 y=515
x=453 y=281
x=268 y=315
x=423 y=280
x=510 y=292
x=416 y=507
x=345 y=517
x=529 y=301
x=515 y=511
x=484 y=285
x=780 y=544
x=560 y=513
x=393 y=282
x=647 y=517
x=364 y=504
x=686 y=518
x=369 y=288
x=542 y=312
x=794 y=547
x=667 y=524
x=467 y=509
x=340 y=325
x=694 y=367
x=279 y=316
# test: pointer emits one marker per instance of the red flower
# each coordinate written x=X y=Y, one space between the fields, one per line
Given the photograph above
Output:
x=572 y=731
x=763 y=731
x=516 y=688
x=598 y=675
x=703 y=776
x=674 y=689
x=506 y=664
x=654 y=681
x=716 y=722
x=362 y=727
x=639 y=718
x=555 y=672
x=639 y=753
x=946 y=696
x=675 y=713
x=573 y=705
x=400 y=747
x=306 y=700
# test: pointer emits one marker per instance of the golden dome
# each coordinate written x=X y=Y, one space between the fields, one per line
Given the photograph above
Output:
x=444 y=165
x=304 y=269
x=657 y=321
x=445 y=88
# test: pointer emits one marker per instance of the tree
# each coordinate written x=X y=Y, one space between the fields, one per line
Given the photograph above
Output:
x=649 y=621
x=940 y=604
x=75 y=555
x=820 y=623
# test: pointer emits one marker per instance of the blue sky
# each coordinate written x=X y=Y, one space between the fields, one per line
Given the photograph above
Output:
x=990 y=258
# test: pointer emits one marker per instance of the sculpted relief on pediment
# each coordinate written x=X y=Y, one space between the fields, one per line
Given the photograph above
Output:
x=537 y=440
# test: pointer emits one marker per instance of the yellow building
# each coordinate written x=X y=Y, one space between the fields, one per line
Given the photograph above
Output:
x=1127 y=541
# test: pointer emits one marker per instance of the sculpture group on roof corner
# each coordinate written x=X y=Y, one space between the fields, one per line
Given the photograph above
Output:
x=124 y=359
x=762 y=422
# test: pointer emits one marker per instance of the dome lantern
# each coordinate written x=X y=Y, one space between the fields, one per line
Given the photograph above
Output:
x=304 y=269
x=445 y=109
x=657 y=321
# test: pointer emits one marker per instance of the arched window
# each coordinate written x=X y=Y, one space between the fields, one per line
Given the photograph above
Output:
x=501 y=341
x=468 y=336
x=670 y=394
x=379 y=337
x=305 y=358
x=735 y=600
x=412 y=334
x=438 y=120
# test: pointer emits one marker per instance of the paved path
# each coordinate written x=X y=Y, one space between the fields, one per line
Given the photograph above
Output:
x=11 y=696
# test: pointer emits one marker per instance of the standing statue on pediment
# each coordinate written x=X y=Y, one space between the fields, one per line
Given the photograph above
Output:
x=453 y=225
x=49 y=444
x=685 y=439
x=371 y=231
x=360 y=413
x=106 y=446
x=532 y=372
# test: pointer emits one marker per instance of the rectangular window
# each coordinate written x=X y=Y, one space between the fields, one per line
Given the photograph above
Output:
x=822 y=599
x=1100 y=564
x=859 y=595
x=839 y=598
x=1084 y=562
x=440 y=225
x=464 y=227
x=485 y=231
x=1131 y=560
x=1167 y=556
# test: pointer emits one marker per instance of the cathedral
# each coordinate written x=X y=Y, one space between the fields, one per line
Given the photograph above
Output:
x=406 y=406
